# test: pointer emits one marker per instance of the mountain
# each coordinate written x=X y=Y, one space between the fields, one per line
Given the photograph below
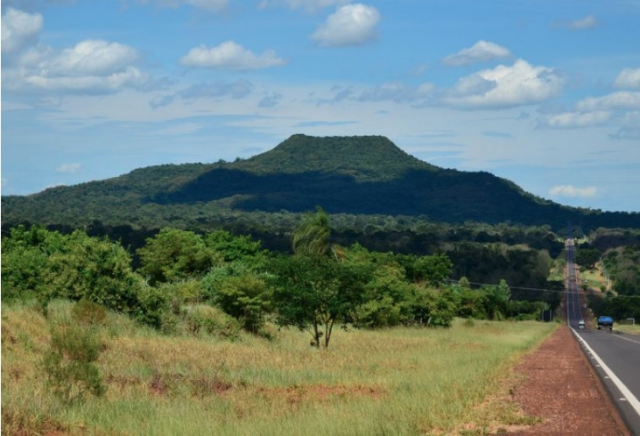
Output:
x=353 y=175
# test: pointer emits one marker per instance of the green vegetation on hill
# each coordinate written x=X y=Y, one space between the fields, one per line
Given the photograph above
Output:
x=358 y=156
x=361 y=176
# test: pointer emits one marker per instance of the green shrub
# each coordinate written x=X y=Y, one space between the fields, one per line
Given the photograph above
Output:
x=211 y=320
x=382 y=312
x=152 y=306
x=69 y=364
x=88 y=313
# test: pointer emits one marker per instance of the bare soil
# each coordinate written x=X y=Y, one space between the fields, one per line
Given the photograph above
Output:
x=561 y=387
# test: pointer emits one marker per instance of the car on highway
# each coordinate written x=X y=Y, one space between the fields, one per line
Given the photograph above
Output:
x=605 y=322
x=581 y=324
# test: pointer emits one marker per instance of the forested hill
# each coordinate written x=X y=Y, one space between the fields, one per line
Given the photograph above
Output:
x=365 y=175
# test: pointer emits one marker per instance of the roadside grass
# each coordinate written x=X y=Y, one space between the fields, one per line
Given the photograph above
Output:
x=402 y=381
x=594 y=279
x=628 y=328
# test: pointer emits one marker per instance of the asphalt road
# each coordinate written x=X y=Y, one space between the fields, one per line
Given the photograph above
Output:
x=614 y=355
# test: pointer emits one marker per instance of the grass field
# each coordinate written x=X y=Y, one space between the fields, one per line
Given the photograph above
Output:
x=404 y=381
x=628 y=328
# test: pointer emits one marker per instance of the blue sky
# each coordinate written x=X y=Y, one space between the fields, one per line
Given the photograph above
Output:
x=545 y=93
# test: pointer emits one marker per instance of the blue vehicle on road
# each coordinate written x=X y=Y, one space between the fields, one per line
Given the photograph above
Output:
x=605 y=322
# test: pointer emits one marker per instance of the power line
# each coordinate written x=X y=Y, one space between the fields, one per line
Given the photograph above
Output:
x=559 y=291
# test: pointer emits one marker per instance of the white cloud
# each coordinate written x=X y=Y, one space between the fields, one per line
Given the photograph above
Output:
x=209 y=5
x=568 y=120
x=353 y=24
x=69 y=168
x=91 y=66
x=238 y=89
x=19 y=29
x=505 y=86
x=572 y=191
x=92 y=57
x=622 y=100
x=587 y=22
x=397 y=92
x=482 y=51
x=235 y=90
x=628 y=78
x=627 y=132
x=630 y=127
x=91 y=84
x=230 y=56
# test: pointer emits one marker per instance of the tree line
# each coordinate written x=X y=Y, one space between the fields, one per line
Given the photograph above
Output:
x=317 y=285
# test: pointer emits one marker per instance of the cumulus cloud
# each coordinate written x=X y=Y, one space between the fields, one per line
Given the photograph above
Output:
x=623 y=100
x=572 y=191
x=92 y=67
x=92 y=57
x=230 y=56
x=87 y=84
x=505 y=86
x=569 y=120
x=481 y=51
x=69 y=168
x=19 y=29
x=353 y=24
x=598 y=111
x=628 y=78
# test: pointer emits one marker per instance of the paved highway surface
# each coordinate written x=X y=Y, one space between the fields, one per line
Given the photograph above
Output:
x=615 y=355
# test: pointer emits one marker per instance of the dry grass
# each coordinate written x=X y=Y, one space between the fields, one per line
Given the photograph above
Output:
x=400 y=381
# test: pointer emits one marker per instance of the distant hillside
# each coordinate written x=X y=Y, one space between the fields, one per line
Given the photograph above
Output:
x=354 y=175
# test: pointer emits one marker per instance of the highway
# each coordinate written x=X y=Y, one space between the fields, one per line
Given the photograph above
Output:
x=614 y=355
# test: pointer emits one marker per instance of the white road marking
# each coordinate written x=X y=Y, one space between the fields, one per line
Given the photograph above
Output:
x=624 y=390
x=627 y=339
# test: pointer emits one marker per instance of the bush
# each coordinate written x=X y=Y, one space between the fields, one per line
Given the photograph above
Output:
x=69 y=364
x=211 y=320
x=88 y=313
x=152 y=306
x=382 y=312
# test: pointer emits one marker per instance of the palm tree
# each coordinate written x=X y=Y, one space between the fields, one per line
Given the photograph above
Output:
x=312 y=236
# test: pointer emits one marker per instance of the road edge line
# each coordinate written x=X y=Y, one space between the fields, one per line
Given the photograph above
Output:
x=626 y=393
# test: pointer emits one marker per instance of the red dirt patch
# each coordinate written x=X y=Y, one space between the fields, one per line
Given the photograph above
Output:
x=562 y=389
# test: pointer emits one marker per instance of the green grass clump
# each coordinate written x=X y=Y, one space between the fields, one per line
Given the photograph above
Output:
x=628 y=328
x=402 y=381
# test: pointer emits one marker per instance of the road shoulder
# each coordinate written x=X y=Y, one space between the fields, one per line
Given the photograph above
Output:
x=560 y=387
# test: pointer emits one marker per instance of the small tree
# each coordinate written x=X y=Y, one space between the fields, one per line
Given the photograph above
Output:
x=176 y=255
x=433 y=270
x=313 y=292
x=497 y=300
x=246 y=299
